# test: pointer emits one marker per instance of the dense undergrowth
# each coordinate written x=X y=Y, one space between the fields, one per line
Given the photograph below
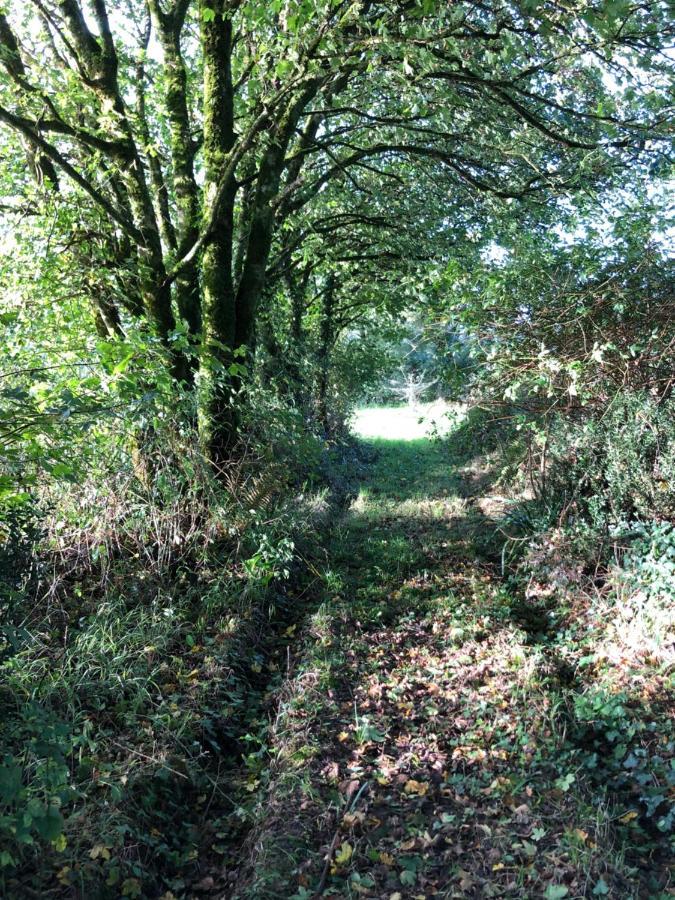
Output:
x=138 y=602
x=438 y=660
x=415 y=665
x=461 y=726
x=243 y=654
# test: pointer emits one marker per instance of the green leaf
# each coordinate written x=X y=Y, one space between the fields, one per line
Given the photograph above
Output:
x=344 y=854
x=555 y=892
x=50 y=825
x=62 y=470
x=10 y=782
x=565 y=782
x=60 y=843
x=208 y=14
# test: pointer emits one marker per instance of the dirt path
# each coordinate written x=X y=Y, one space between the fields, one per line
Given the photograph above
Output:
x=422 y=744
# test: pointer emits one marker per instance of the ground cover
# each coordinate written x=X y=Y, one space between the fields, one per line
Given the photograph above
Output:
x=440 y=734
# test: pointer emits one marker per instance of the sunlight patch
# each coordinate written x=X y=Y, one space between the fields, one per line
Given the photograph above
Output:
x=403 y=423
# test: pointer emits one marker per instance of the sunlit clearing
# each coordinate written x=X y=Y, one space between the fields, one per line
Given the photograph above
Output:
x=402 y=423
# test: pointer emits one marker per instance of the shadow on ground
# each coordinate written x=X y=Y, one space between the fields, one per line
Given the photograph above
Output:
x=423 y=740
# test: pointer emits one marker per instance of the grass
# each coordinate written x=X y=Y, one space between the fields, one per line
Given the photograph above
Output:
x=436 y=736
x=395 y=718
x=132 y=690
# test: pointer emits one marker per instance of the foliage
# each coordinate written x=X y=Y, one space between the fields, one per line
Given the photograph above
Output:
x=129 y=656
x=190 y=155
x=606 y=473
x=432 y=711
x=567 y=322
x=222 y=225
x=650 y=563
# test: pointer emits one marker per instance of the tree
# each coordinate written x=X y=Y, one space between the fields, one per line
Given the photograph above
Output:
x=195 y=158
x=569 y=321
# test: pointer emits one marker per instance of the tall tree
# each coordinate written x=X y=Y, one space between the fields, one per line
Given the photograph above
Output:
x=198 y=143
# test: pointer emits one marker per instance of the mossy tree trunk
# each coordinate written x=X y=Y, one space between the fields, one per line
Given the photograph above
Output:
x=229 y=308
x=326 y=341
x=217 y=411
x=169 y=25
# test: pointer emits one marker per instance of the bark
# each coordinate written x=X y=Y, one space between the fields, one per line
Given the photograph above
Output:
x=273 y=367
x=326 y=340
x=98 y=66
x=107 y=318
x=229 y=312
x=169 y=26
x=297 y=287
x=41 y=167
x=259 y=239
x=217 y=412
x=157 y=180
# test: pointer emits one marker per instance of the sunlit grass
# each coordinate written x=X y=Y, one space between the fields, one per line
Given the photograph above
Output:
x=402 y=423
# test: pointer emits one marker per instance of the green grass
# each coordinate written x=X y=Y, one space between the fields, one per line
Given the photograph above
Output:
x=426 y=740
x=397 y=705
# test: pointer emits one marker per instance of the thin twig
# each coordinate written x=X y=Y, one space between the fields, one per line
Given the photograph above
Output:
x=321 y=887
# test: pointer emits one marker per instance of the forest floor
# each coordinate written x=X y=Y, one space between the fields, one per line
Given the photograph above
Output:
x=429 y=737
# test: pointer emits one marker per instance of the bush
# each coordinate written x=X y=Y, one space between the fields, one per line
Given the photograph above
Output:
x=604 y=474
x=650 y=562
x=135 y=600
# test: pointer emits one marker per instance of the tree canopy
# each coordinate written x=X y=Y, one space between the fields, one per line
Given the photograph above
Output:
x=228 y=228
x=192 y=145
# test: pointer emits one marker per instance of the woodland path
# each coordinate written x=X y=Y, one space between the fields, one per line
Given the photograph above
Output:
x=421 y=747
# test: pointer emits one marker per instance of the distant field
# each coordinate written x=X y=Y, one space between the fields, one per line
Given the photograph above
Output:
x=401 y=423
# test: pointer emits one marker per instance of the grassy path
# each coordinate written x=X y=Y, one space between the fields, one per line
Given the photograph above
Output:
x=422 y=744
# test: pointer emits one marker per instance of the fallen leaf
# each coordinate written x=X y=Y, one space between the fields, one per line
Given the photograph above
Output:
x=628 y=817
x=416 y=787
x=344 y=854
x=351 y=819
x=349 y=788
x=332 y=771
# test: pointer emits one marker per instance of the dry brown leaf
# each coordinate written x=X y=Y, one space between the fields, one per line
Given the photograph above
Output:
x=416 y=787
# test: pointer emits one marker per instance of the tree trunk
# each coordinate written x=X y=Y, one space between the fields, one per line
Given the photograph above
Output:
x=217 y=379
x=98 y=62
x=169 y=26
x=326 y=340
x=229 y=314
x=297 y=288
